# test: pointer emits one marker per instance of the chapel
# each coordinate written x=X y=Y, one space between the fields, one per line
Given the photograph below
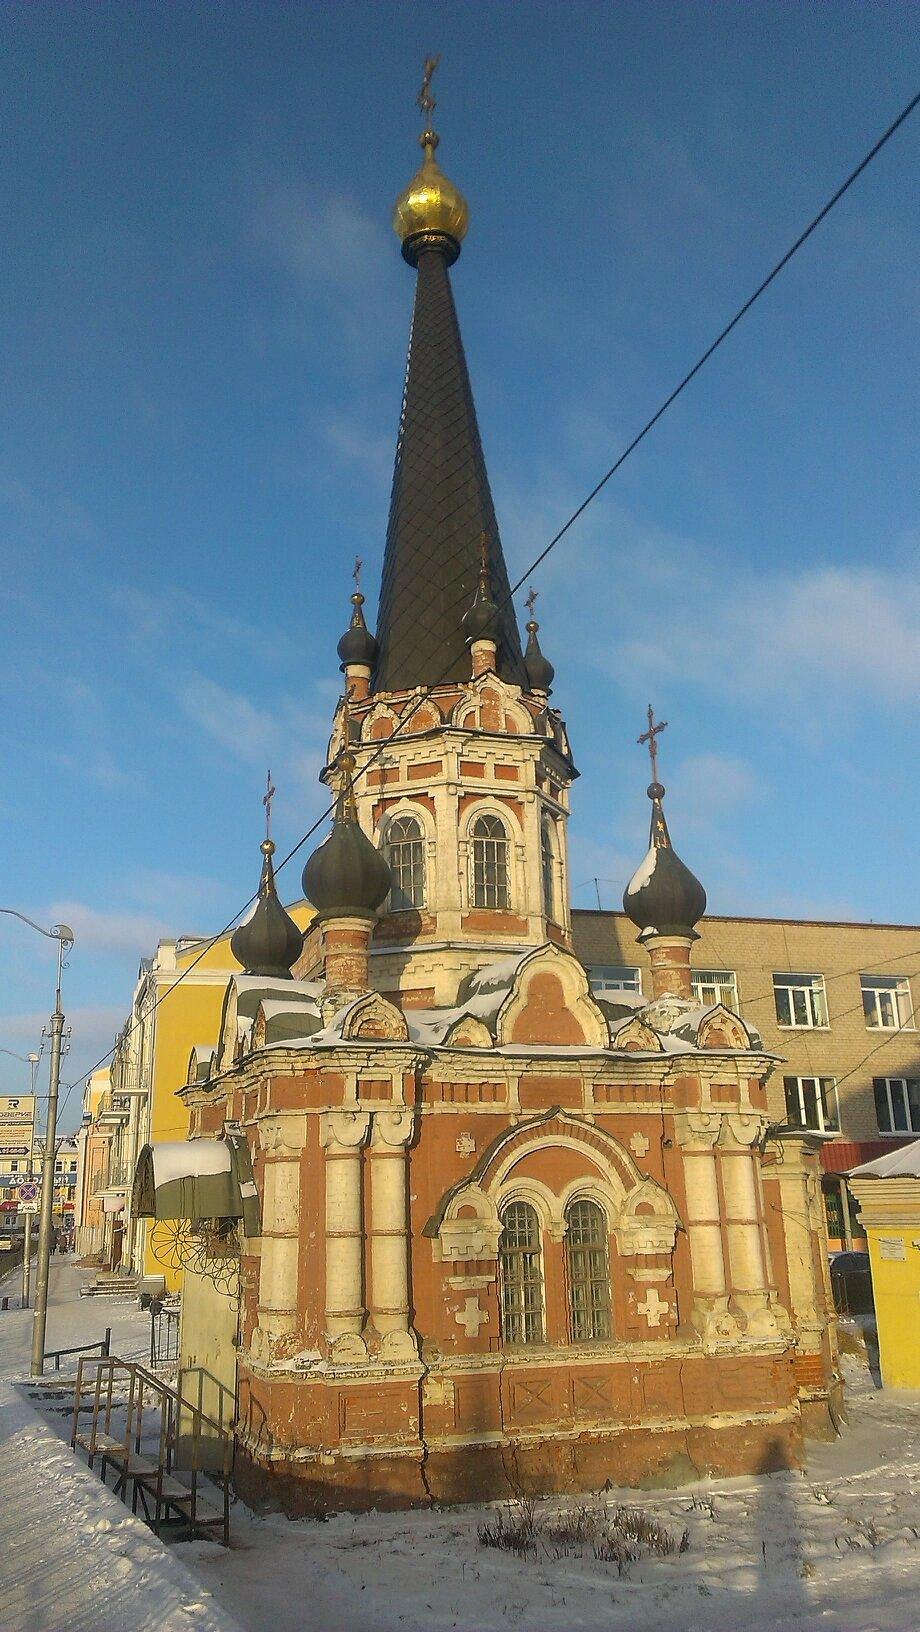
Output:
x=492 y=1234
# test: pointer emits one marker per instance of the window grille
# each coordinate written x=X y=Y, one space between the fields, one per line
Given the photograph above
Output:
x=406 y=856
x=588 y=1271
x=521 y=1271
x=490 y=864
x=547 y=864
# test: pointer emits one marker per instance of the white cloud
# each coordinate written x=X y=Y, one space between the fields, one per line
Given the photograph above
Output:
x=247 y=732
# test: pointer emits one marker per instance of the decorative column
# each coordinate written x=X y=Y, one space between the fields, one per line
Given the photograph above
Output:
x=390 y=1138
x=342 y=1134
x=282 y=1143
x=698 y=1134
x=750 y=1288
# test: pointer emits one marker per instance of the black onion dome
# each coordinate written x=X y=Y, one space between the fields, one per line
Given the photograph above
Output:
x=357 y=645
x=269 y=943
x=540 y=672
x=663 y=894
x=479 y=623
x=346 y=876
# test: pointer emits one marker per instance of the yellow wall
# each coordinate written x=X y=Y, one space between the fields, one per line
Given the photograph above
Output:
x=896 y=1286
x=890 y=1209
x=189 y=1016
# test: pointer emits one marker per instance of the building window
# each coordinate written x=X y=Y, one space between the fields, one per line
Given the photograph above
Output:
x=490 y=864
x=547 y=865
x=521 y=1272
x=588 y=1271
x=833 y=1209
x=406 y=857
x=712 y=986
x=615 y=977
x=14 y=1167
x=886 y=1001
x=800 y=1000
x=897 y=1104
x=811 y=1102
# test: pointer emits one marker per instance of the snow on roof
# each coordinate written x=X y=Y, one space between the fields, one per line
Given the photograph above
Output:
x=903 y=1163
x=643 y=872
x=189 y=1158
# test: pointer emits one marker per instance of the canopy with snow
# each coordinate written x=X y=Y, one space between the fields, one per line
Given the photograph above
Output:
x=197 y=1179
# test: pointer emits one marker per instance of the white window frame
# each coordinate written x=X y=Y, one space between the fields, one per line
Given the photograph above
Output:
x=721 y=981
x=898 y=988
x=810 y=985
x=602 y=978
x=825 y=1093
x=913 y=1123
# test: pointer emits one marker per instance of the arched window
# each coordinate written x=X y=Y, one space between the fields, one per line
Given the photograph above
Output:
x=547 y=865
x=521 y=1273
x=406 y=856
x=588 y=1271
x=490 y=863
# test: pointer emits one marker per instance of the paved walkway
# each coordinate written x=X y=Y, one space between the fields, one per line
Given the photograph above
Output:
x=72 y=1557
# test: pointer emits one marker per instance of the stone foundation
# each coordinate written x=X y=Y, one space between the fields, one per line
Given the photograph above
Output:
x=635 y=1457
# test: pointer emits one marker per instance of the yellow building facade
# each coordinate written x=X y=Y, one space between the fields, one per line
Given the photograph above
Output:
x=887 y=1192
x=176 y=1009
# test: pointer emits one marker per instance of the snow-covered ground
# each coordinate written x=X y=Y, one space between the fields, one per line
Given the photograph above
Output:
x=836 y=1548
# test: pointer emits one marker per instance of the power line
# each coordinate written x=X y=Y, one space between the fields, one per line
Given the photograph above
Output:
x=628 y=450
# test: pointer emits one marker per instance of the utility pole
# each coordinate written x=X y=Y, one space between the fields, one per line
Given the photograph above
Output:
x=27 y=1238
x=40 y=1316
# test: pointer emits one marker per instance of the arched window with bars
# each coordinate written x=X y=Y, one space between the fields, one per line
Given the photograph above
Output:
x=588 y=1271
x=548 y=867
x=520 y=1262
x=490 y=863
x=406 y=856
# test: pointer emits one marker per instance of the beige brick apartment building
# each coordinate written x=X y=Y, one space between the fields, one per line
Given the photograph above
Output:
x=835 y=1001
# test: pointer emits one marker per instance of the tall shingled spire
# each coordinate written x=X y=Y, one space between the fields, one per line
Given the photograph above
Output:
x=441 y=504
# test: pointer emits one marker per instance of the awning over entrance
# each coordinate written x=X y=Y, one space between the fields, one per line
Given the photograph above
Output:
x=197 y=1179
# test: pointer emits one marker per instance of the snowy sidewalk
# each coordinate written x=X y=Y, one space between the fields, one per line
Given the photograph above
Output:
x=72 y=1557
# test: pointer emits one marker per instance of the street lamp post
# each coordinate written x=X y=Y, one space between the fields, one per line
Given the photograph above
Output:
x=31 y=1060
x=64 y=937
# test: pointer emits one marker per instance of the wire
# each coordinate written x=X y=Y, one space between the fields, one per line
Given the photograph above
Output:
x=598 y=487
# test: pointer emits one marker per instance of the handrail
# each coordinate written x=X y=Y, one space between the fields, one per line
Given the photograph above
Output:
x=172 y=1406
x=103 y=1344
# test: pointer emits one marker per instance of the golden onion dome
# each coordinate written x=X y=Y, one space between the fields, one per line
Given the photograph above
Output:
x=431 y=204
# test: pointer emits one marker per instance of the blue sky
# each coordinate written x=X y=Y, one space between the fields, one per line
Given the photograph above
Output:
x=203 y=328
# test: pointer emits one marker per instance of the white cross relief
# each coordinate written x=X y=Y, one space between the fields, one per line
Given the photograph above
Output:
x=639 y=1145
x=652 y=1307
x=471 y=1317
x=466 y=1144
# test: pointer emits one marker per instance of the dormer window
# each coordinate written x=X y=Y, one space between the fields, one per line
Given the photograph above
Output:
x=490 y=863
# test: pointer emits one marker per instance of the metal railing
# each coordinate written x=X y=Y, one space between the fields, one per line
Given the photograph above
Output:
x=103 y=1345
x=149 y=1433
x=164 y=1334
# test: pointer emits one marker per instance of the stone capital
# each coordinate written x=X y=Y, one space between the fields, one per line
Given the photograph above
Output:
x=392 y=1129
x=698 y=1130
x=347 y=1129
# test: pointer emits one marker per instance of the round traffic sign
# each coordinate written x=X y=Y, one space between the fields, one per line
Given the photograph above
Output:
x=28 y=1192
